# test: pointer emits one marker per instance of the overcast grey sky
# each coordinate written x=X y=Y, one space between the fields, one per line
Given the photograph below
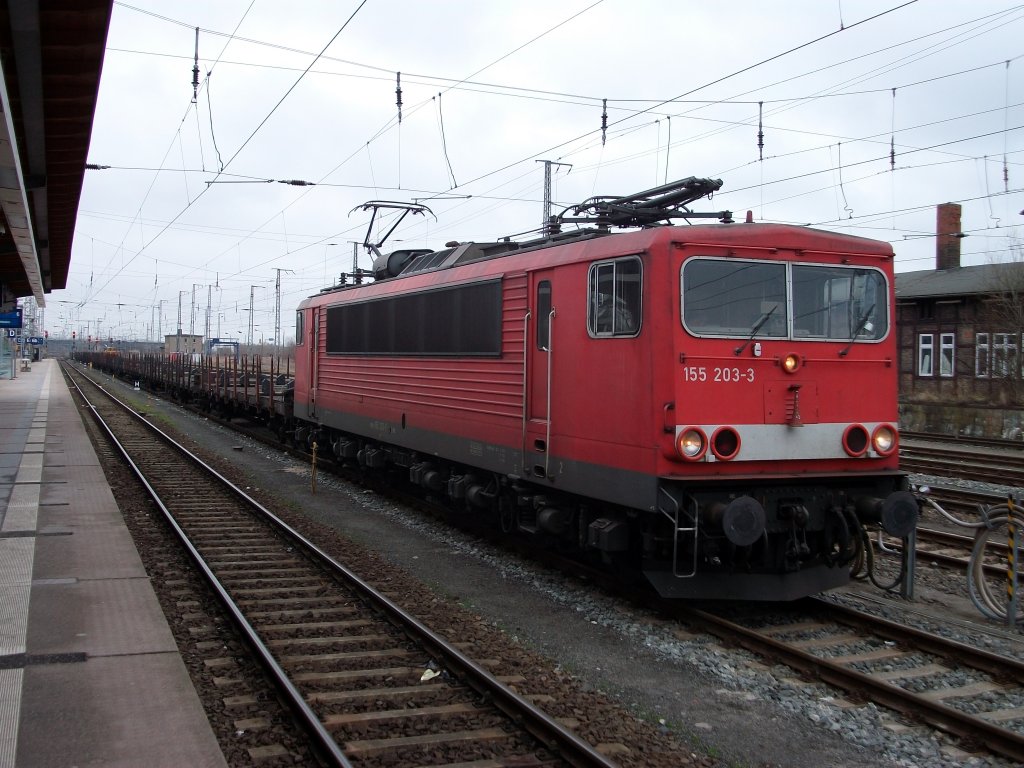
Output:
x=305 y=90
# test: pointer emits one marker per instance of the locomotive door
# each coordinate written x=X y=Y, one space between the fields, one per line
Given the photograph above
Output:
x=314 y=357
x=539 y=335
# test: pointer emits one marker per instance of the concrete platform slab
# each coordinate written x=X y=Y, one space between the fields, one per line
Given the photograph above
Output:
x=106 y=617
x=108 y=714
x=85 y=505
x=85 y=553
x=73 y=589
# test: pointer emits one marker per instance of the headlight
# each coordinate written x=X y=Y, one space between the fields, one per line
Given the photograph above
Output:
x=884 y=440
x=692 y=443
x=790 y=363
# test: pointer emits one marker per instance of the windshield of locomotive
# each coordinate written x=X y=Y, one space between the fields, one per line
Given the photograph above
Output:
x=764 y=299
x=840 y=303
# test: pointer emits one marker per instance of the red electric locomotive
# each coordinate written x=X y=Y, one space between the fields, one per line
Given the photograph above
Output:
x=713 y=405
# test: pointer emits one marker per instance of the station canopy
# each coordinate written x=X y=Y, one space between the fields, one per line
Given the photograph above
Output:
x=51 y=55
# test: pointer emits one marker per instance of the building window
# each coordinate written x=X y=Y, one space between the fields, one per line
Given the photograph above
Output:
x=947 y=354
x=982 y=358
x=1004 y=354
x=925 y=354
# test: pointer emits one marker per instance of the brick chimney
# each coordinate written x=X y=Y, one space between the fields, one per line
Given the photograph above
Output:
x=947 y=242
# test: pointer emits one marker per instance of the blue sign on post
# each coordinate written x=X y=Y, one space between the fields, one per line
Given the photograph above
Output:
x=11 y=319
x=34 y=340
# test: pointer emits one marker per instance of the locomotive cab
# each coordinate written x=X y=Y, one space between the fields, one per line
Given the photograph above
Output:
x=782 y=440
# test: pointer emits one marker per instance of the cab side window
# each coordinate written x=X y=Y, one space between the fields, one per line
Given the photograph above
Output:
x=300 y=326
x=544 y=315
x=614 y=297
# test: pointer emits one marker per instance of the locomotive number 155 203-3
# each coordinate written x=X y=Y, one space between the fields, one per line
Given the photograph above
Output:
x=698 y=373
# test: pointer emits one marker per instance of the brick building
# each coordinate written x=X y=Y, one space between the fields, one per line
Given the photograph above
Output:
x=960 y=336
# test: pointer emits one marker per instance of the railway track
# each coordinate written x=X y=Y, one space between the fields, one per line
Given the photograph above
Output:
x=371 y=684
x=1000 y=467
x=939 y=543
x=971 y=693
x=964 y=500
x=987 y=442
x=953 y=549
x=895 y=671
x=949 y=546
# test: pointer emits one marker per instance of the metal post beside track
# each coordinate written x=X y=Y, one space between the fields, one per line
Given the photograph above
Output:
x=909 y=556
x=312 y=474
x=1013 y=536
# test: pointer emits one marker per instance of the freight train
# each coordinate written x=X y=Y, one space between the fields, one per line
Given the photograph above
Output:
x=711 y=406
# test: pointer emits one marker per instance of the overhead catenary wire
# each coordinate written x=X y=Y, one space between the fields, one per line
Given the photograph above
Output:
x=213 y=134
x=617 y=103
x=668 y=145
x=465 y=79
x=696 y=89
x=873 y=73
x=381 y=131
x=876 y=159
x=386 y=73
x=392 y=122
x=153 y=181
x=1006 y=123
x=664 y=101
x=247 y=140
x=444 y=142
x=717 y=131
x=923 y=207
x=486 y=195
x=720 y=100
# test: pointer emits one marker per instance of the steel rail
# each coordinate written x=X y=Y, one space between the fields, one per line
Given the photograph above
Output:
x=324 y=740
x=999 y=459
x=947 y=538
x=1000 y=475
x=998 y=740
x=546 y=729
x=988 y=442
x=977 y=658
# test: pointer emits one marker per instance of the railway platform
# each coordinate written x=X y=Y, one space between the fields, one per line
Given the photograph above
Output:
x=89 y=671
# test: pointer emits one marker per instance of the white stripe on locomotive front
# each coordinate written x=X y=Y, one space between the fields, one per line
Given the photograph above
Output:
x=780 y=442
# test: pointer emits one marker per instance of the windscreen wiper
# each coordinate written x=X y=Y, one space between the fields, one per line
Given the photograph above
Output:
x=757 y=327
x=856 y=331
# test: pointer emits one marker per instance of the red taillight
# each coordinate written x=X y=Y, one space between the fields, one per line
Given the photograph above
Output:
x=855 y=440
x=725 y=443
